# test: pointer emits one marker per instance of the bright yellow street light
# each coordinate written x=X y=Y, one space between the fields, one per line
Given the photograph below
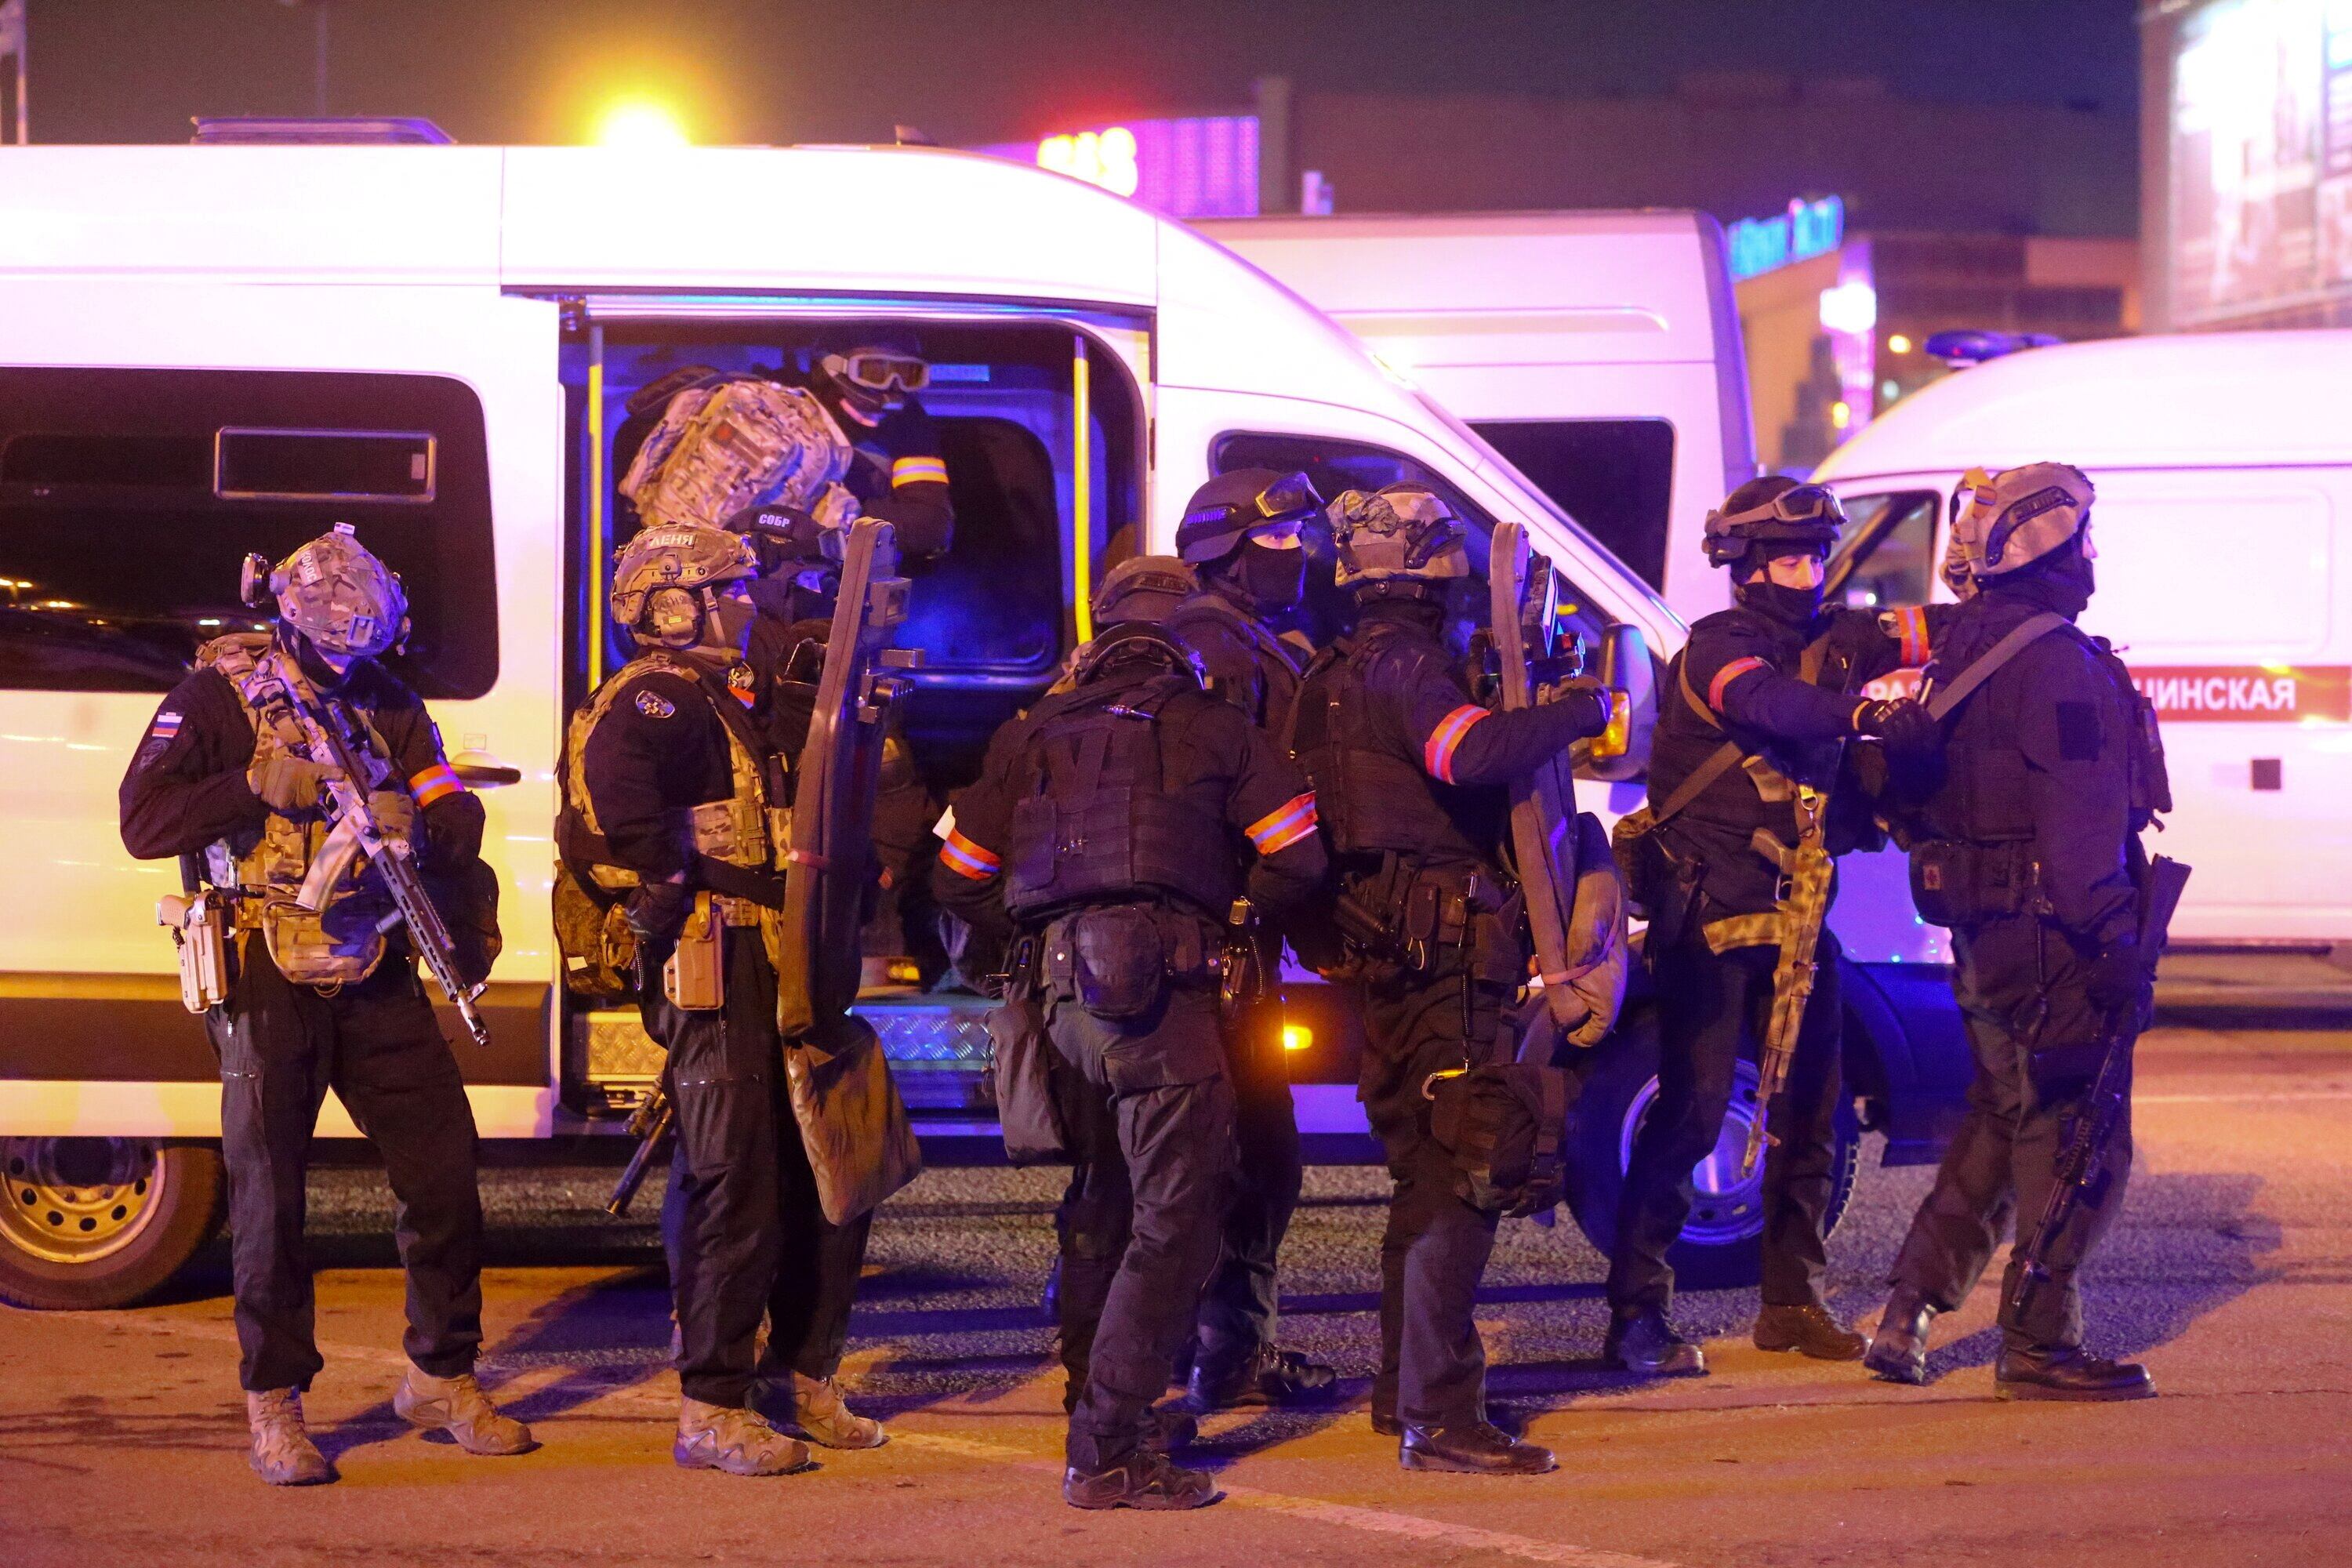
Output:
x=641 y=124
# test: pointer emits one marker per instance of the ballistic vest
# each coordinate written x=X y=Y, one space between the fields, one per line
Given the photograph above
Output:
x=744 y=829
x=337 y=943
x=1094 y=820
x=1370 y=791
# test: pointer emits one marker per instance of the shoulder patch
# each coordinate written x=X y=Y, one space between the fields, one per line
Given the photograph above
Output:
x=654 y=705
x=2080 y=735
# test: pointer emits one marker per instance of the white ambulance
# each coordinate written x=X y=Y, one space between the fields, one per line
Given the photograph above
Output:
x=2223 y=526
x=208 y=349
x=1600 y=352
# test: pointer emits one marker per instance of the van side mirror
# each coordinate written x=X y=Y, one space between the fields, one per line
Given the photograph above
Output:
x=1625 y=667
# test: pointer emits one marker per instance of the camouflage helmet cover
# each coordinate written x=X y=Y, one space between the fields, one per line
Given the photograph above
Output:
x=336 y=592
x=1402 y=530
x=2014 y=518
x=687 y=555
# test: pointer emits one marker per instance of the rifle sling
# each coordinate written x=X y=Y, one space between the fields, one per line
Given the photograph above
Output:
x=2024 y=633
x=1726 y=757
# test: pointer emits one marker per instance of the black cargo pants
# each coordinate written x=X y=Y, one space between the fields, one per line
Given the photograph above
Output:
x=1239 y=1310
x=376 y=1044
x=1712 y=1007
x=1150 y=1117
x=1433 y=1368
x=748 y=1239
x=2003 y=1160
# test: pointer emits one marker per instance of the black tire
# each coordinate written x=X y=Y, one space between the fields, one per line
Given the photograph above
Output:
x=1718 y=1249
x=92 y=1223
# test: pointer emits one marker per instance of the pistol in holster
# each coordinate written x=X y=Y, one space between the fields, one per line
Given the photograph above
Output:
x=695 y=978
x=198 y=921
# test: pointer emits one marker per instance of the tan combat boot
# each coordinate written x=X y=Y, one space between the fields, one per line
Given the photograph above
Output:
x=823 y=1416
x=737 y=1441
x=283 y=1454
x=458 y=1407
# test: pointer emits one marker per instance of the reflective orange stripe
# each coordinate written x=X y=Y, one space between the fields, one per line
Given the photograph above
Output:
x=966 y=858
x=436 y=783
x=1287 y=823
x=1726 y=675
x=918 y=471
x=1437 y=752
x=1913 y=624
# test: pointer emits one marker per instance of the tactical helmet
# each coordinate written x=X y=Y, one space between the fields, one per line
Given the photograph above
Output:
x=2016 y=517
x=1404 y=532
x=1143 y=588
x=1132 y=640
x=667 y=578
x=868 y=379
x=335 y=592
x=1232 y=506
x=1773 y=511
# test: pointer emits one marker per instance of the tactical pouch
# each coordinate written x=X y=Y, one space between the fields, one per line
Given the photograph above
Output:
x=695 y=978
x=325 y=951
x=1503 y=1126
x=199 y=927
x=1114 y=960
x=1661 y=886
x=1957 y=883
x=600 y=951
x=1027 y=1108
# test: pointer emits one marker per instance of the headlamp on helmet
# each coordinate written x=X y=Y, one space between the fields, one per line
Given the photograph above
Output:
x=335 y=592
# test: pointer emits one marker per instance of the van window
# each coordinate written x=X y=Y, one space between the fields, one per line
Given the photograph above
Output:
x=1888 y=557
x=1614 y=477
x=1335 y=466
x=128 y=499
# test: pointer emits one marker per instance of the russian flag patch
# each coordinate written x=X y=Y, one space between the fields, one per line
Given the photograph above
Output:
x=166 y=725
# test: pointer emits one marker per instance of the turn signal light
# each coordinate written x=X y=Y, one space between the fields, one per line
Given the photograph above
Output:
x=1297 y=1037
x=1617 y=738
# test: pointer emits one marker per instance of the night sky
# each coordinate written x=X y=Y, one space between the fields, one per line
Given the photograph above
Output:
x=971 y=70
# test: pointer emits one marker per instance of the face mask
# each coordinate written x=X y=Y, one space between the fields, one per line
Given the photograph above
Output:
x=1789 y=606
x=730 y=623
x=1274 y=578
x=322 y=668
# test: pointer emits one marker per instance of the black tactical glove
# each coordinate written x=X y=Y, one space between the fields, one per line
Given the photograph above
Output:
x=656 y=912
x=1584 y=690
x=289 y=782
x=2117 y=981
x=1905 y=724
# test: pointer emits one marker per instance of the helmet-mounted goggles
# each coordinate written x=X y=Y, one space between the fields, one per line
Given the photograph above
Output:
x=878 y=371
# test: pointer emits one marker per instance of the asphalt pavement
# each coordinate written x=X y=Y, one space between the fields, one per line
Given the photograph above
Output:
x=2229 y=1273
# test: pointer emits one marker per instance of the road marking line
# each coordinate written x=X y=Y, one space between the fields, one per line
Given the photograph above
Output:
x=1348 y=1516
x=2249 y=1096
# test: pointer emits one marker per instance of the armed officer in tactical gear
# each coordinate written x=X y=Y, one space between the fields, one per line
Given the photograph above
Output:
x=1412 y=779
x=1754 y=722
x=2027 y=846
x=1114 y=824
x=675 y=801
x=1241 y=533
x=318 y=994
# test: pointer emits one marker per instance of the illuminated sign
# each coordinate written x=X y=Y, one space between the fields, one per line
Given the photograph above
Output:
x=1806 y=230
x=1203 y=166
x=2241 y=694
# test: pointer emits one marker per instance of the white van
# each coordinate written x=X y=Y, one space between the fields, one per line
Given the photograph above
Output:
x=210 y=350
x=2224 y=525
x=1600 y=352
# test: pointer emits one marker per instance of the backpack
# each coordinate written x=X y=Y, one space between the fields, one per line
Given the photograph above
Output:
x=736 y=442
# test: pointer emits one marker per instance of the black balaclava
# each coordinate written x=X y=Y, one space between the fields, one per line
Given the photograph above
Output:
x=313 y=663
x=1271 y=579
x=2063 y=580
x=1797 y=607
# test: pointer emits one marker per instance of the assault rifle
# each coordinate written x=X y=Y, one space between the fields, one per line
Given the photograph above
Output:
x=332 y=734
x=650 y=1125
x=2082 y=1163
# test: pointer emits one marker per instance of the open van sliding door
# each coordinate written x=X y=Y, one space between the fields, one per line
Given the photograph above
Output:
x=1045 y=500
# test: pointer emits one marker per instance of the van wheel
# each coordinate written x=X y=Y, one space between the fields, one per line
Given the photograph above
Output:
x=1718 y=1247
x=90 y=1223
